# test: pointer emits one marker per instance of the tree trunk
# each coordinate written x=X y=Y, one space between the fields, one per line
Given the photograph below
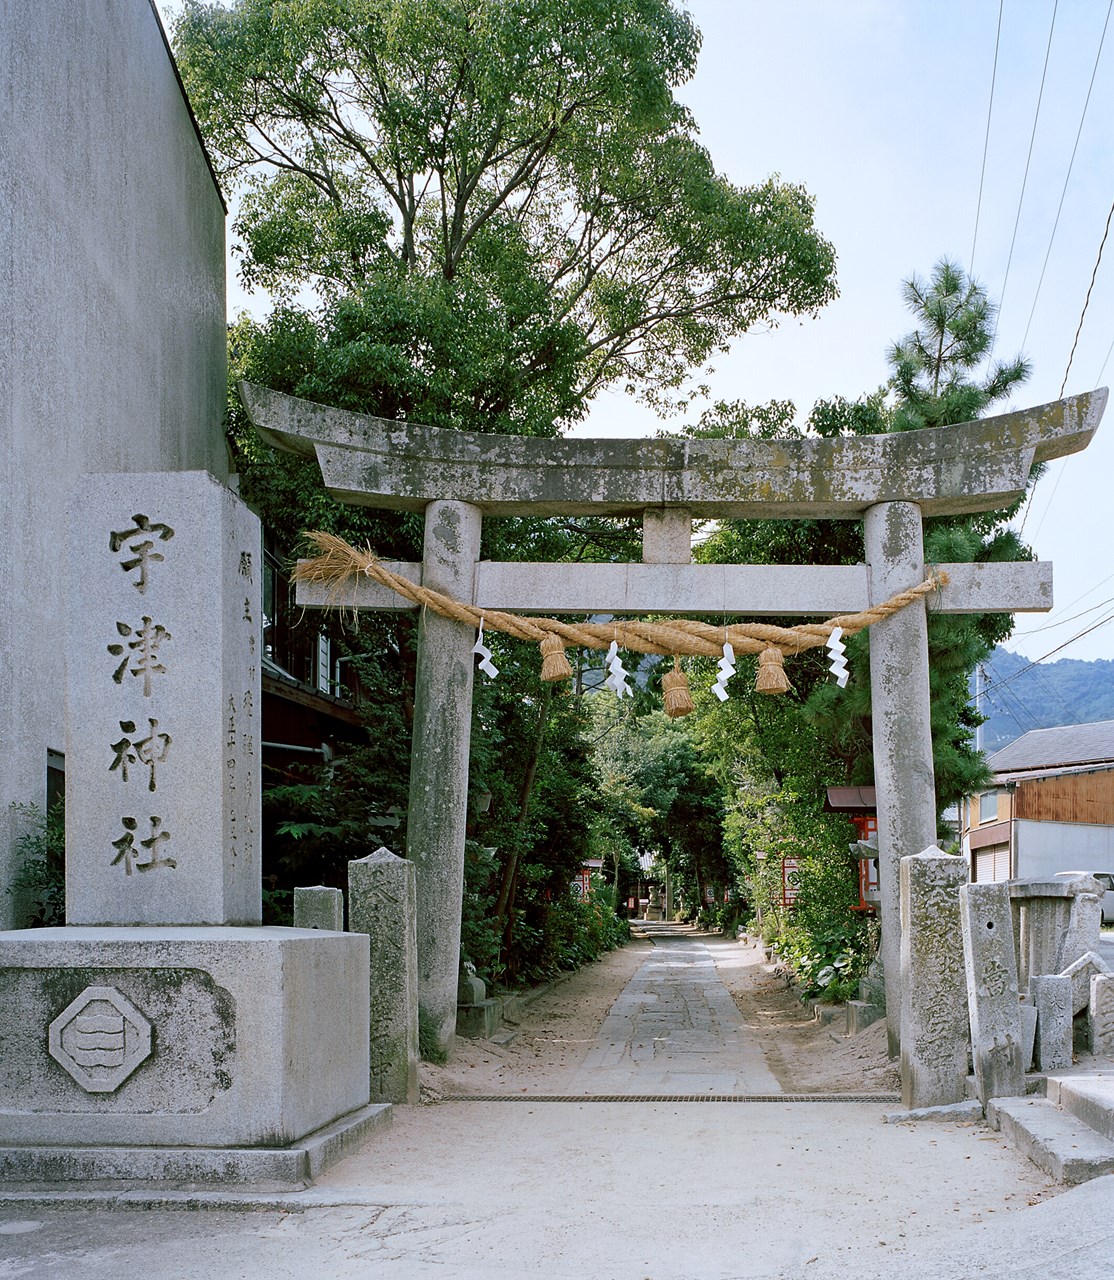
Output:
x=504 y=904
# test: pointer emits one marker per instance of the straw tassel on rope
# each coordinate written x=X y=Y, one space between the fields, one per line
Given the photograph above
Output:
x=771 y=676
x=675 y=692
x=555 y=664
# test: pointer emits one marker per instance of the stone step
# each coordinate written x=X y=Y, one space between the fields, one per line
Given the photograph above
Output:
x=861 y=1014
x=1089 y=1098
x=826 y=1013
x=1068 y=1150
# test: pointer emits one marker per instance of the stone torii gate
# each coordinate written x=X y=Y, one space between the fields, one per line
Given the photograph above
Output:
x=890 y=482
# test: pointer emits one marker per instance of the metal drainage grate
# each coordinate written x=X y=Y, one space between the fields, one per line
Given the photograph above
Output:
x=672 y=1097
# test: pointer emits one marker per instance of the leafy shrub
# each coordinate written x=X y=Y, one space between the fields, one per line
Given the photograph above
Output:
x=572 y=932
x=480 y=938
x=39 y=884
x=826 y=962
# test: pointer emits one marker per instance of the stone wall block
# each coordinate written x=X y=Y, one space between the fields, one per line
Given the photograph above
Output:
x=1100 y=1015
x=382 y=904
x=934 y=1020
x=1080 y=972
x=1084 y=928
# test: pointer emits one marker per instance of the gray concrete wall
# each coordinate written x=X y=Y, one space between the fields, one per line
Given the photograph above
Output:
x=112 y=315
x=1047 y=848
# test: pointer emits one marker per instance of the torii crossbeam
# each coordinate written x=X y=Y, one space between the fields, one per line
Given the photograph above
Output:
x=890 y=482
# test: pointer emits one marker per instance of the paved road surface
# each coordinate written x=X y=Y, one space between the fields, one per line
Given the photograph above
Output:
x=676 y=1030
x=625 y=1190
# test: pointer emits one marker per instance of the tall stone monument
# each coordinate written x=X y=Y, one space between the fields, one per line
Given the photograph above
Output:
x=162 y=1034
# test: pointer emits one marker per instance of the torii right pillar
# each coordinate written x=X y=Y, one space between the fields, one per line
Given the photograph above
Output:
x=902 y=724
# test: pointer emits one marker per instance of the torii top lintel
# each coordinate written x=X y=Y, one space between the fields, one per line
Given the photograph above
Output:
x=975 y=466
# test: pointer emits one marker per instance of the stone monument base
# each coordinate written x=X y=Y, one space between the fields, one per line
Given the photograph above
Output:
x=289 y=1168
x=185 y=1055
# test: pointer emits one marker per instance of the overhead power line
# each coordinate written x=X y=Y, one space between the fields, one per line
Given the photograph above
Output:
x=986 y=138
x=1102 y=622
x=1051 y=626
x=1025 y=176
x=1067 y=176
x=1087 y=301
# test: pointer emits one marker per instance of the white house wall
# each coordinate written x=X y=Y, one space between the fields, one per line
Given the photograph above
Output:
x=112 y=320
x=1046 y=848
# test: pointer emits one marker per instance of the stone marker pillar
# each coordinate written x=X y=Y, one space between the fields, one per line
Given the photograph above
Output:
x=1051 y=993
x=319 y=907
x=438 y=807
x=903 y=768
x=162 y=657
x=934 y=1008
x=1041 y=911
x=382 y=904
x=995 y=1013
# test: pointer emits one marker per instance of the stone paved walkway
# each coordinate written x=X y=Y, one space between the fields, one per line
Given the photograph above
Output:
x=674 y=1030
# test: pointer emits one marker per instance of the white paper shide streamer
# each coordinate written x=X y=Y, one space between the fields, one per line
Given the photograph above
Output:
x=484 y=654
x=617 y=676
x=726 y=666
x=838 y=663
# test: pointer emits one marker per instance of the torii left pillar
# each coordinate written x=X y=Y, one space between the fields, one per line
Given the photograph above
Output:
x=438 y=809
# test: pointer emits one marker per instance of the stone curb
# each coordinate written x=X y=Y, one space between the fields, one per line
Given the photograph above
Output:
x=964 y=1112
x=191 y=1201
x=1068 y=1150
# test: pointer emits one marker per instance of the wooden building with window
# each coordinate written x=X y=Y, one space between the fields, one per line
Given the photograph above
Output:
x=1050 y=809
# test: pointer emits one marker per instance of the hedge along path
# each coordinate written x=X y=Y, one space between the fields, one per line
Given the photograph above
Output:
x=338 y=562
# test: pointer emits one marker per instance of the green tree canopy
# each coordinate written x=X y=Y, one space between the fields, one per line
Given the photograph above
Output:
x=504 y=189
x=935 y=368
x=941 y=375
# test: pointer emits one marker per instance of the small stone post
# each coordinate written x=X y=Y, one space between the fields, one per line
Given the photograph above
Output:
x=934 y=1008
x=1100 y=1016
x=319 y=907
x=995 y=1012
x=382 y=904
x=1052 y=996
x=899 y=696
x=438 y=806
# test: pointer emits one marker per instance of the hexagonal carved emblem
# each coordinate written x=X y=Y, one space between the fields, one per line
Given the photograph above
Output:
x=100 y=1038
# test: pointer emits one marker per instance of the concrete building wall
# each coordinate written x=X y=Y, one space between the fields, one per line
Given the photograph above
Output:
x=1047 y=848
x=112 y=320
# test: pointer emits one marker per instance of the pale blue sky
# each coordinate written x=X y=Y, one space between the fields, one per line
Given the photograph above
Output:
x=879 y=108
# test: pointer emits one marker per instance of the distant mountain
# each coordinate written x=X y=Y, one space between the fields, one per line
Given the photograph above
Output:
x=1018 y=695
